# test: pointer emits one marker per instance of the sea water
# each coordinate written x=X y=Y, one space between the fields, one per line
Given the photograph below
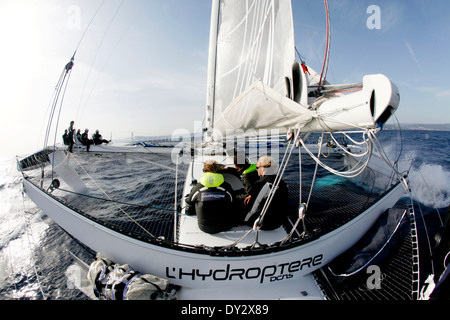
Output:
x=34 y=251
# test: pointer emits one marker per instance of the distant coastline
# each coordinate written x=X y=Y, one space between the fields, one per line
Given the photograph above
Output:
x=420 y=126
x=403 y=126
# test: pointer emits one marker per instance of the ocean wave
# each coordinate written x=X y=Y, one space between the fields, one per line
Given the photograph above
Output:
x=430 y=185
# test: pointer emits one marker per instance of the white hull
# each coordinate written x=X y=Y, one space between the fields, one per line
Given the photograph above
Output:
x=204 y=276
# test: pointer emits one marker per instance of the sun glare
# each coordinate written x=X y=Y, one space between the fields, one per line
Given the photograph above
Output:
x=19 y=65
x=19 y=35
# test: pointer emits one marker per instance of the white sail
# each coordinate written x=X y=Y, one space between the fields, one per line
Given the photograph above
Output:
x=255 y=83
x=251 y=56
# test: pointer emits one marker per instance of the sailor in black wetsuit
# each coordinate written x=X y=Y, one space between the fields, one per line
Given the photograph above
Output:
x=212 y=201
x=66 y=137
x=98 y=139
x=71 y=130
x=248 y=174
x=254 y=203
x=85 y=140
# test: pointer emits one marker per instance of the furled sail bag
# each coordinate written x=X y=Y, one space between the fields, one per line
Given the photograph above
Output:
x=120 y=282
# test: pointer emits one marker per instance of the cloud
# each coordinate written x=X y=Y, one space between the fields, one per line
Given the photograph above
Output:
x=443 y=94
x=412 y=53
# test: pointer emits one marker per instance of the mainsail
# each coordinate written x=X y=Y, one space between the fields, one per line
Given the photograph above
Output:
x=252 y=62
x=256 y=83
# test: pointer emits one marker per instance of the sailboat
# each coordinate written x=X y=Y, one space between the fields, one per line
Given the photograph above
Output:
x=255 y=88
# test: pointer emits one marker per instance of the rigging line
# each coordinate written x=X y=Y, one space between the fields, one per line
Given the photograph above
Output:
x=51 y=106
x=141 y=10
x=89 y=24
x=49 y=109
x=134 y=197
x=119 y=202
x=348 y=151
x=385 y=158
x=123 y=211
x=376 y=254
x=57 y=120
x=323 y=74
x=302 y=58
x=59 y=87
x=445 y=264
x=350 y=173
x=95 y=57
x=430 y=251
x=151 y=162
x=432 y=197
x=401 y=139
x=54 y=104
x=278 y=177
x=315 y=173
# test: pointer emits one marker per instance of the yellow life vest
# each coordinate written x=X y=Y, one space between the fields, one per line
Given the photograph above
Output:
x=212 y=180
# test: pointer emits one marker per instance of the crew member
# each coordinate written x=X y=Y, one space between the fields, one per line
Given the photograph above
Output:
x=65 y=138
x=247 y=172
x=98 y=139
x=71 y=130
x=277 y=211
x=85 y=140
x=212 y=200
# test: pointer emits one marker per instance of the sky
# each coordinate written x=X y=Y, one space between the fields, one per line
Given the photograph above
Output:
x=140 y=65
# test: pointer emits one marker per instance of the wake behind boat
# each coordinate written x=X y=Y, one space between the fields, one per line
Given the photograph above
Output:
x=258 y=91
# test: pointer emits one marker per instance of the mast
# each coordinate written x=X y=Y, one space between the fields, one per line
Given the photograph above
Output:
x=211 y=77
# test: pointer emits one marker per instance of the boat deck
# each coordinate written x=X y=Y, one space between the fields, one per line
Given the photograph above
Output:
x=334 y=203
x=197 y=237
x=150 y=214
x=321 y=219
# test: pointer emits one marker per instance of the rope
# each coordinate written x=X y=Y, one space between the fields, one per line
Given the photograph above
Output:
x=89 y=24
x=432 y=197
x=53 y=106
x=259 y=220
x=353 y=172
x=375 y=255
x=119 y=202
x=427 y=235
x=315 y=173
x=131 y=196
x=140 y=11
x=385 y=157
x=279 y=175
x=123 y=211
x=327 y=48
x=95 y=57
x=68 y=73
